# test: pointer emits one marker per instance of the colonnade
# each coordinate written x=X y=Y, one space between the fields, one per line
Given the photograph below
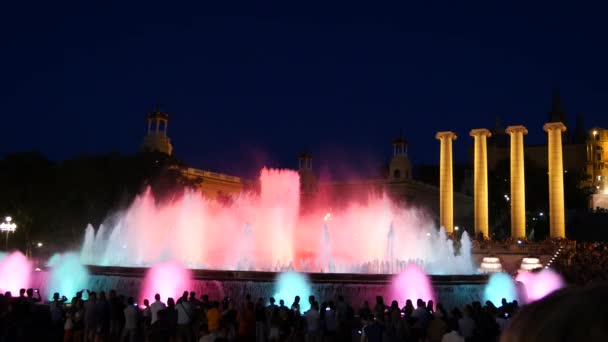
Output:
x=517 y=197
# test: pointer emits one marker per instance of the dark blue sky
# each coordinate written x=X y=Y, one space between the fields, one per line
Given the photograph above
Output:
x=253 y=85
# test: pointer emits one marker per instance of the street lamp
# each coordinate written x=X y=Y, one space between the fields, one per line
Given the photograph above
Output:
x=8 y=226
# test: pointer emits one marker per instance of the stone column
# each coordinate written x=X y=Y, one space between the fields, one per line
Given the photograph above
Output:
x=446 y=185
x=557 y=222
x=518 y=185
x=481 y=180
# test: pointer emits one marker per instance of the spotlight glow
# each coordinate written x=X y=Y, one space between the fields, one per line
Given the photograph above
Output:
x=292 y=284
x=167 y=279
x=412 y=284
x=541 y=284
x=499 y=286
x=15 y=271
x=68 y=275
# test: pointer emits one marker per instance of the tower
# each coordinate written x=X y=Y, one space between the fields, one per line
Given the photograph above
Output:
x=400 y=168
x=156 y=139
x=308 y=181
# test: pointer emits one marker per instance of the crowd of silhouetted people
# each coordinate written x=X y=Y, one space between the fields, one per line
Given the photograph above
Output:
x=98 y=317
x=586 y=263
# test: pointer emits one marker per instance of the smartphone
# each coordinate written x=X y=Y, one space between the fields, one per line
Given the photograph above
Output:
x=36 y=290
x=327 y=309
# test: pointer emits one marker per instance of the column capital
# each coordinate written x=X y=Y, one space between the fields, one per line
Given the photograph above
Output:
x=549 y=126
x=445 y=135
x=517 y=129
x=482 y=132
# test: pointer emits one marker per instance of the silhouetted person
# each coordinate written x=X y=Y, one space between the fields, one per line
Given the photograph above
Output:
x=31 y=299
x=372 y=329
x=131 y=315
x=313 y=324
x=466 y=325
x=571 y=314
x=365 y=310
x=185 y=314
x=379 y=308
x=90 y=317
x=171 y=317
x=260 y=320
x=56 y=310
x=103 y=317
x=160 y=330
x=156 y=307
x=295 y=307
x=271 y=312
x=116 y=315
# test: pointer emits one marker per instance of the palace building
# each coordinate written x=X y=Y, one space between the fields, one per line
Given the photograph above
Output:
x=585 y=152
x=399 y=184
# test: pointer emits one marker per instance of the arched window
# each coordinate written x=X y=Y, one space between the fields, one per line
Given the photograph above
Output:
x=397 y=174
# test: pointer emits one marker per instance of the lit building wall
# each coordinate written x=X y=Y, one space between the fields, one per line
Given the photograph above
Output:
x=597 y=158
x=213 y=184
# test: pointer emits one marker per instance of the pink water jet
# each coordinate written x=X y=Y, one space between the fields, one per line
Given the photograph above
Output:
x=540 y=284
x=412 y=283
x=15 y=272
x=168 y=279
x=270 y=230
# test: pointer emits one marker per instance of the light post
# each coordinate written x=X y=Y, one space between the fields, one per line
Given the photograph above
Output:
x=8 y=226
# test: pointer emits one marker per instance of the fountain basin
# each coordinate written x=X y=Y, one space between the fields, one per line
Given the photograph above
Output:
x=450 y=290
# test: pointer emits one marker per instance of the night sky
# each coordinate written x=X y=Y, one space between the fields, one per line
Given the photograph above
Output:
x=248 y=86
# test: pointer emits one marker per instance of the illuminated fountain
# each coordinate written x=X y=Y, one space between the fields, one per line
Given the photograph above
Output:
x=67 y=275
x=412 y=283
x=291 y=284
x=266 y=232
x=540 y=284
x=499 y=286
x=167 y=279
x=15 y=272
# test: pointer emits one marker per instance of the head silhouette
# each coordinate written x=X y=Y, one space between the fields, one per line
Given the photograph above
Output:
x=571 y=314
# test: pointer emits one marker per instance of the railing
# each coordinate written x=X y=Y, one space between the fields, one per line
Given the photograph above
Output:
x=535 y=248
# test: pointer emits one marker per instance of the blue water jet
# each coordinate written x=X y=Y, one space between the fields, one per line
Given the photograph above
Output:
x=292 y=284
x=499 y=286
x=68 y=275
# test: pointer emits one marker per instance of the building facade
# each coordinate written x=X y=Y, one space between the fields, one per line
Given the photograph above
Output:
x=398 y=184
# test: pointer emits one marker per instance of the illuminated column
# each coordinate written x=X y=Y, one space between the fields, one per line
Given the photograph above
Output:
x=446 y=192
x=481 y=179
x=557 y=222
x=518 y=185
